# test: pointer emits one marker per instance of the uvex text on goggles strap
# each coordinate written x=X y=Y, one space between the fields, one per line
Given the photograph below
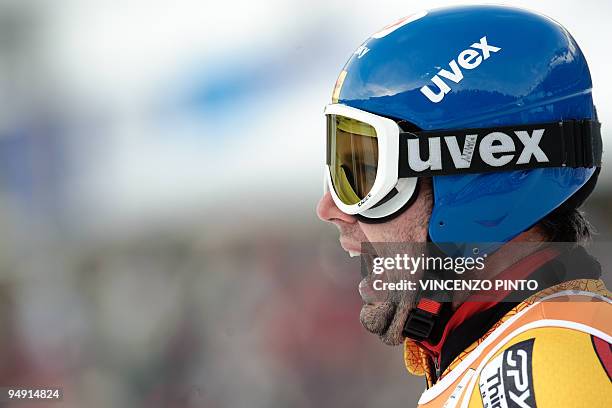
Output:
x=572 y=143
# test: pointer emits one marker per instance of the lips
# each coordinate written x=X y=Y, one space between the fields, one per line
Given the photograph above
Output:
x=350 y=246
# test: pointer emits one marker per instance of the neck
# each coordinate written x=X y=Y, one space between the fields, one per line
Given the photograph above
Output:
x=518 y=248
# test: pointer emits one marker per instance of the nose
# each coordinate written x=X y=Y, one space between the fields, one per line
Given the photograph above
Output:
x=329 y=212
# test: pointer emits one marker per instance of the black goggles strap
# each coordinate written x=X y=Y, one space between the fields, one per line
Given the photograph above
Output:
x=571 y=143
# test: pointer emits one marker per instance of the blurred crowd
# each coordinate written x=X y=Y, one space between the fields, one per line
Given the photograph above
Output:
x=180 y=319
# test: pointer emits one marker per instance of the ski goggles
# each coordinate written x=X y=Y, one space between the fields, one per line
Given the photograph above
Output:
x=370 y=159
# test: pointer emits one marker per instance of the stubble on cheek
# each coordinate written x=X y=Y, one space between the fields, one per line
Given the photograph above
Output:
x=411 y=226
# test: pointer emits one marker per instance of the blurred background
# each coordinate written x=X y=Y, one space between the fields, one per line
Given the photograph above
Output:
x=160 y=163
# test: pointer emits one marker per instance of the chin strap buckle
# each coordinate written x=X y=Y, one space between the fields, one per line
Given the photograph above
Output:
x=422 y=319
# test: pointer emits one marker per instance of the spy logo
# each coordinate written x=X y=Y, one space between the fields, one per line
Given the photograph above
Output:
x=506 y=381
x=519 y=375
x=467 y=59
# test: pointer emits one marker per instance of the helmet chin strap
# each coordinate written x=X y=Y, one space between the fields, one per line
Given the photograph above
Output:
x=395 y=214
x=429 y=306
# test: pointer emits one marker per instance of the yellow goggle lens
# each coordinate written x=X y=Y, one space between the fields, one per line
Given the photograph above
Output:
x=352 y=156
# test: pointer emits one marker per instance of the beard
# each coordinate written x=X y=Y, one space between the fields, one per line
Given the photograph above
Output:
x=386 y=320
x=385 y=312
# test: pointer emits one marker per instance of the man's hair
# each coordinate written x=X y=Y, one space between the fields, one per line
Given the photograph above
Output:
x=567 y=223
x=566 y=226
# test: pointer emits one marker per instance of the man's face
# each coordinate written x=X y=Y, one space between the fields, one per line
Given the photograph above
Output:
x=385 y=318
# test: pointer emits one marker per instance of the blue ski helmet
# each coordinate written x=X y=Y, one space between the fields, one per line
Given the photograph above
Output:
x=526 y=69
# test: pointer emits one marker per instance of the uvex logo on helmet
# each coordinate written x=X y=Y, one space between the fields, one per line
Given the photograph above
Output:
x=467 y=59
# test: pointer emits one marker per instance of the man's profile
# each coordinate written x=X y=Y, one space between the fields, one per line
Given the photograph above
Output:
x=473 y=130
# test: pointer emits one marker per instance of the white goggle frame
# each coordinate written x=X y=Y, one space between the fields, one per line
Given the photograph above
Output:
x=387 y=134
